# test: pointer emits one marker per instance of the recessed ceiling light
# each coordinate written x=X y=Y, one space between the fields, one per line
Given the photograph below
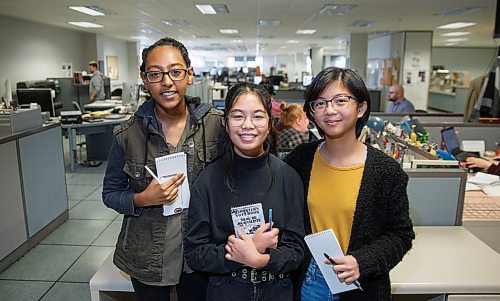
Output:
x=305 y=31
x=176 y=22
x=456 y=40
x=86 y=24
x=456 y=25
x=212 y=9
x=360 y=23
x=236 y=41
x=455 y=34
x=265 y=36
x=266 y=22
x=451 y=44
x=201 y=37
x=337 y=9
x=90 y=10
x=460 y=11
x=229 y=31
x=292 y=41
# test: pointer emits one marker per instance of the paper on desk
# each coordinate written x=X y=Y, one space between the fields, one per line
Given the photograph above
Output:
x=470 y=186
x=492 y=190
x=484 y=179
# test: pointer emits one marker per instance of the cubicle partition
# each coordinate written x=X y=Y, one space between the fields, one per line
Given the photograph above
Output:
x=490 y=133
x=436 y=196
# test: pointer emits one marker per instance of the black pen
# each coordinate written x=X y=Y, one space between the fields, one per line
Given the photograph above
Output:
x=356 y=283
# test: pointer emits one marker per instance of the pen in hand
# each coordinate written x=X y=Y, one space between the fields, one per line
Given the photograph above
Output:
x=152 y=174
x=356 y=283
x=270 y=219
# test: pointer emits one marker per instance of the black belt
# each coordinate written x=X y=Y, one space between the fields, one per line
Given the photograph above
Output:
x=257 y=276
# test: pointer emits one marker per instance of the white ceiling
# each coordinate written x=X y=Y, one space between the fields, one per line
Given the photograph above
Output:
x=132 y=18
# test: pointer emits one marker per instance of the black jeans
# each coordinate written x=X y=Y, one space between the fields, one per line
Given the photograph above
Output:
x=191 y=287
x=228 y=288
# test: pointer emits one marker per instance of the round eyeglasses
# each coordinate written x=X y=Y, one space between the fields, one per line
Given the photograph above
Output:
x=339 y=103
x=238 y=120
x=174 y=75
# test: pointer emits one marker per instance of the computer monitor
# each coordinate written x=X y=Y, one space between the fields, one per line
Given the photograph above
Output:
x=41 y=96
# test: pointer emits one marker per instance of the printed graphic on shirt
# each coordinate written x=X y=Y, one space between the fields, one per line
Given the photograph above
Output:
x=248 y=218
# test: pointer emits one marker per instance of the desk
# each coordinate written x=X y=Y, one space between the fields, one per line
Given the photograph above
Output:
x=87 y=128
x=447 y=260
x=444 y=260
x=480 y=206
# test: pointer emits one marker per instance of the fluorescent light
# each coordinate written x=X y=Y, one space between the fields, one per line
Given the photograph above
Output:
x=450 y=44
x=455 y=34
x=236 y=41
x=456 y=40
x=90 y=10
x=266 y=22
x=361 y=23
x=292 y=42
x=212 y=9
x=86 y=24
x=456 y=25
x=337 y=9
x=206 y=9
x=176 y=22
x=305 y=31
x=229 y=31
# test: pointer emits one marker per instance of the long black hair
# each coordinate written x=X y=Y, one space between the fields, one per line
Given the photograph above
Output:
x=232 y=96
x=350 y=80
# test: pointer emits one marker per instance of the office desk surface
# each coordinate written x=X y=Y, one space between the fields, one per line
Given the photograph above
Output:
x=444 y=260
x=447 y=260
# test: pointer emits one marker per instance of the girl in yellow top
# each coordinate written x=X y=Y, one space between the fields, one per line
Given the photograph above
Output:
x=352 y=188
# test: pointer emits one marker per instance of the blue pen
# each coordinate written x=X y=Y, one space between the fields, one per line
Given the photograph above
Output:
x=270 y=219
x=356 y=283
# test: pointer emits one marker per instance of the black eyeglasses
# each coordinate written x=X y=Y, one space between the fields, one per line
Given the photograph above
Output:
x=339 y=103
x=174 y=75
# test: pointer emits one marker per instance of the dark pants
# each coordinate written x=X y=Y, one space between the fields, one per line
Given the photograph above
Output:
x=191 y=287
x=228 y=288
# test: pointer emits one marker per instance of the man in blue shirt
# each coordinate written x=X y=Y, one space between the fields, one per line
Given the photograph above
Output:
x=96 y=86
x=398 y=102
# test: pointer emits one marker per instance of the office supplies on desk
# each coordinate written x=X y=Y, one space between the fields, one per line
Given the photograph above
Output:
x=326 y=242
x=168 y=166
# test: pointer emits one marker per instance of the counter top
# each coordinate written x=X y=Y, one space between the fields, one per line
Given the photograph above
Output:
x=447 y=260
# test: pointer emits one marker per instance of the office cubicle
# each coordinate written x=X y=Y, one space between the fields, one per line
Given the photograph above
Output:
x=488 y=132
x=436 y=196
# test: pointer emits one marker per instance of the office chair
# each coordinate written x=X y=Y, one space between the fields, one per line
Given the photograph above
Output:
x=76 y=106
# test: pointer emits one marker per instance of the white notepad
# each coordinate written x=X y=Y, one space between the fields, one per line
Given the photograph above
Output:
x=168 y=166
x=326 y=242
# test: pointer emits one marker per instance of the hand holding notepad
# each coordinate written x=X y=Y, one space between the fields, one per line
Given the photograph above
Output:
x=325 y=242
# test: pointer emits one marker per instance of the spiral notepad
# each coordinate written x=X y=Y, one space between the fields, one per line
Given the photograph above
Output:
x=168 y=166
x=326 y=242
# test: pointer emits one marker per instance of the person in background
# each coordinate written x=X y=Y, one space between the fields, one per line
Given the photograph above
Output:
x=276 y=110
x=150 y=245
x=241 y=77
x=295 y=126
x=398 y=102
x=490 y=166
x=352 y=188
x=236 y=192
x=96 y=86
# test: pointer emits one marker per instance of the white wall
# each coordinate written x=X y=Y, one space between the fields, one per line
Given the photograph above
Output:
x=107 y=46
x=474 y=60
x=31 y=51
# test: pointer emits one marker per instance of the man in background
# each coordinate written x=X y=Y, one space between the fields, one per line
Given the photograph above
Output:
x=398 y=102
x=96 y=87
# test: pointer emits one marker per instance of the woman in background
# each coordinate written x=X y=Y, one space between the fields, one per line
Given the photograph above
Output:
x=295 y=126
x=352 y=188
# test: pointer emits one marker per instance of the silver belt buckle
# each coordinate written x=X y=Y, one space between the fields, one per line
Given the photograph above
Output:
x=253 y=277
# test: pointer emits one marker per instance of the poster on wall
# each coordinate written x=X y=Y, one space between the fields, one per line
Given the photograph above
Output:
x=112 y=67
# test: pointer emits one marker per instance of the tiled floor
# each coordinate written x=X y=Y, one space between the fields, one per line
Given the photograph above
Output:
x=60 y=267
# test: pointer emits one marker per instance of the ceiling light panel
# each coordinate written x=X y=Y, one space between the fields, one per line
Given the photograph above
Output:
x=176 y=22
x=456 y=40
x=305 y=31
x=266 y=22
x=337 y=9
x=229 y=31
x=360 y=23
x=90 y=10
x=212 y=9
x=455 y=34
x=86 y=24
x=456 y=25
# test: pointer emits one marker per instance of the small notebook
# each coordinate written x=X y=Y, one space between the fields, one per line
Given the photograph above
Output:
x=247 y=218
x=168 y=166
x=326 y=242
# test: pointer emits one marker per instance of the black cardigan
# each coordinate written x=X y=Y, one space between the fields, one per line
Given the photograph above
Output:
x=382 y=230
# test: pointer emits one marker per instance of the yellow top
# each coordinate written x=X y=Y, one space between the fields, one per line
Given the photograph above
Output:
x=332 y=196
